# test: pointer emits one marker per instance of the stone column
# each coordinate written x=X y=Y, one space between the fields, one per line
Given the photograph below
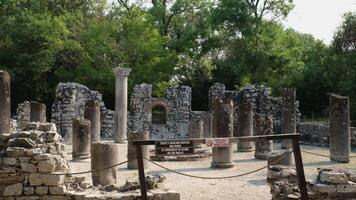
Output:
x=263 y=126
x=196 y=129
x=92 y=113
x=339 y=128
x=245 y=125
x=104 y=155
x=222 y=127
x=289 y=123
x=120 y=116
x=37 y=112
x=81 y=139
x=5 y=103
x=131 y=149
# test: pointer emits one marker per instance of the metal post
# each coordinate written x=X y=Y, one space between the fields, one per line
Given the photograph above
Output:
x=300 y=169
x=141 y=172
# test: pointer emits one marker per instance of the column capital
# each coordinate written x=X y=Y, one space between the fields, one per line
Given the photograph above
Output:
x=118 y=71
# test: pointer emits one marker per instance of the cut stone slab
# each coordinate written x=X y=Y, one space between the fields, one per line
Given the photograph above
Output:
x=37 y=179
x=41 y=190
x=13 y=190
x=330 y=177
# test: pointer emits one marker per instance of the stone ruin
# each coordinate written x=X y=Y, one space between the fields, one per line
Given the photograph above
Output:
x=70 y=103
x=330 y=184
x=33 y=165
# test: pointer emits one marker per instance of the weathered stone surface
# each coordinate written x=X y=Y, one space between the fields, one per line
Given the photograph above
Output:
x=289 y=118
x=21 y=142
x=53 y=197
x=37 y=112
x=324 y=188
x=57 y=190
x=166 y=195
x=331 y=177
x=41 y=190
x=131 y=149
x=92 y=113
x=81 y=138
x=28 y=198
x=47 y=166
x=37 y=179
x=245 y=128
x=340 y=147
x=28 y=190
x=5 y=103
x=28 y=167
x=9 y=161
x=8 y=179
x=70 y=103
x=263 y=126
x=12 y=190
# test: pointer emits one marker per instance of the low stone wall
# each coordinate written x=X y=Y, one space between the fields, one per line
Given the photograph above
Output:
x=330 y=184
x=318 y=134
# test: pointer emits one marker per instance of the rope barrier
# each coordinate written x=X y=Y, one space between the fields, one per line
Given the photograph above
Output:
x=327 y=156
x=69 y=174
x=217 y=178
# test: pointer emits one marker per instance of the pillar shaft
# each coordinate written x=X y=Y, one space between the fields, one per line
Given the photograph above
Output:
x=289 y=121
x=131 y=149
x=104 y=155
x=339 y=128
x=222 y=127
x=81 y=139
x=196 y=129
x=120 y=116
x=37 y=112
x=5 y=103
x=245 y=125
x=92 y=113
x=263 y=126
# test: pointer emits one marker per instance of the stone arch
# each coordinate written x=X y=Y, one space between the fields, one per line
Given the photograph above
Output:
x=159 y=113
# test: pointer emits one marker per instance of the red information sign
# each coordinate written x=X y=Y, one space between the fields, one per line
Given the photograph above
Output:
x=217 y=142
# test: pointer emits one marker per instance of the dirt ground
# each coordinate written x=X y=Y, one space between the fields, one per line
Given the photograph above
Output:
x=250 y=187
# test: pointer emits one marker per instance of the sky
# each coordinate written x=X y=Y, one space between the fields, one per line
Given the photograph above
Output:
x=319 y=17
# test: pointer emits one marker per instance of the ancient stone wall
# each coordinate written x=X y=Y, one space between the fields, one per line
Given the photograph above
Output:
x=174 y=112
x=70 y=103
x=318 y=134
x=261 y=98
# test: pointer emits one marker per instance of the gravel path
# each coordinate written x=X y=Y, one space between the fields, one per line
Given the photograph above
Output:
x=251 y=187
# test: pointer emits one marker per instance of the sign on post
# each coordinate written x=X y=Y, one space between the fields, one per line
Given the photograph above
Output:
x=217 y=142
x=174 y=147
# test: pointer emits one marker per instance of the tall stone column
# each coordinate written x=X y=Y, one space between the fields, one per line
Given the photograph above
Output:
x=131 y=149
x=222 y=128
x=245 y=125
x=263 y=126
x=289 y=119
x=37 y=112
x=104 y=155
x=339 y=128
x=92 y=113
x=81 y=139
x=120 y=116
x=5 y=103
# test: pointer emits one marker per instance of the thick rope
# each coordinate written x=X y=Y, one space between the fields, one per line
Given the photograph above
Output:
x=327 y=156
x=223 y=177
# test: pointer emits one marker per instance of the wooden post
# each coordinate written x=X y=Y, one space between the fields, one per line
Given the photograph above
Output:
x=141 y=172
x=300 y=170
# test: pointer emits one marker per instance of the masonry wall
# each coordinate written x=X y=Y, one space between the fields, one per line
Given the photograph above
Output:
x=70 y=103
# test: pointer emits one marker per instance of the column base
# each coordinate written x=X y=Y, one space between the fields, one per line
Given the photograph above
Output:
x=81 y=157
x=222 y=165
x=340 y=160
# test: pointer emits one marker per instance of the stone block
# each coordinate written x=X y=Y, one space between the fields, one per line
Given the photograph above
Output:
x=15 y=152
x=36 y=134
x=28 y=198
x=41 y=190
x=8 y=179
x=37 y=179
x=47 y=165
x=57 y=190
x=13 y=190
x=9 y=161
x=27 y=167
x=52 y=197
x=324 y=188
x=166 y=195
x=24 y=159
x=333 y=177
x=34 y=152
x=28 y=190
x=47 y=127
x=21 y=142
x=346 y=188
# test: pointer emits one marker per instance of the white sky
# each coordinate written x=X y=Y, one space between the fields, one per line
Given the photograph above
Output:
x=319 y=17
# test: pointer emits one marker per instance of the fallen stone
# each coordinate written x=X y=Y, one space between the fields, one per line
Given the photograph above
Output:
x=47 y=127
x=323 y=188
x=13 y=190
x=346 y=188
x=166 y=195
x=332 y=177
